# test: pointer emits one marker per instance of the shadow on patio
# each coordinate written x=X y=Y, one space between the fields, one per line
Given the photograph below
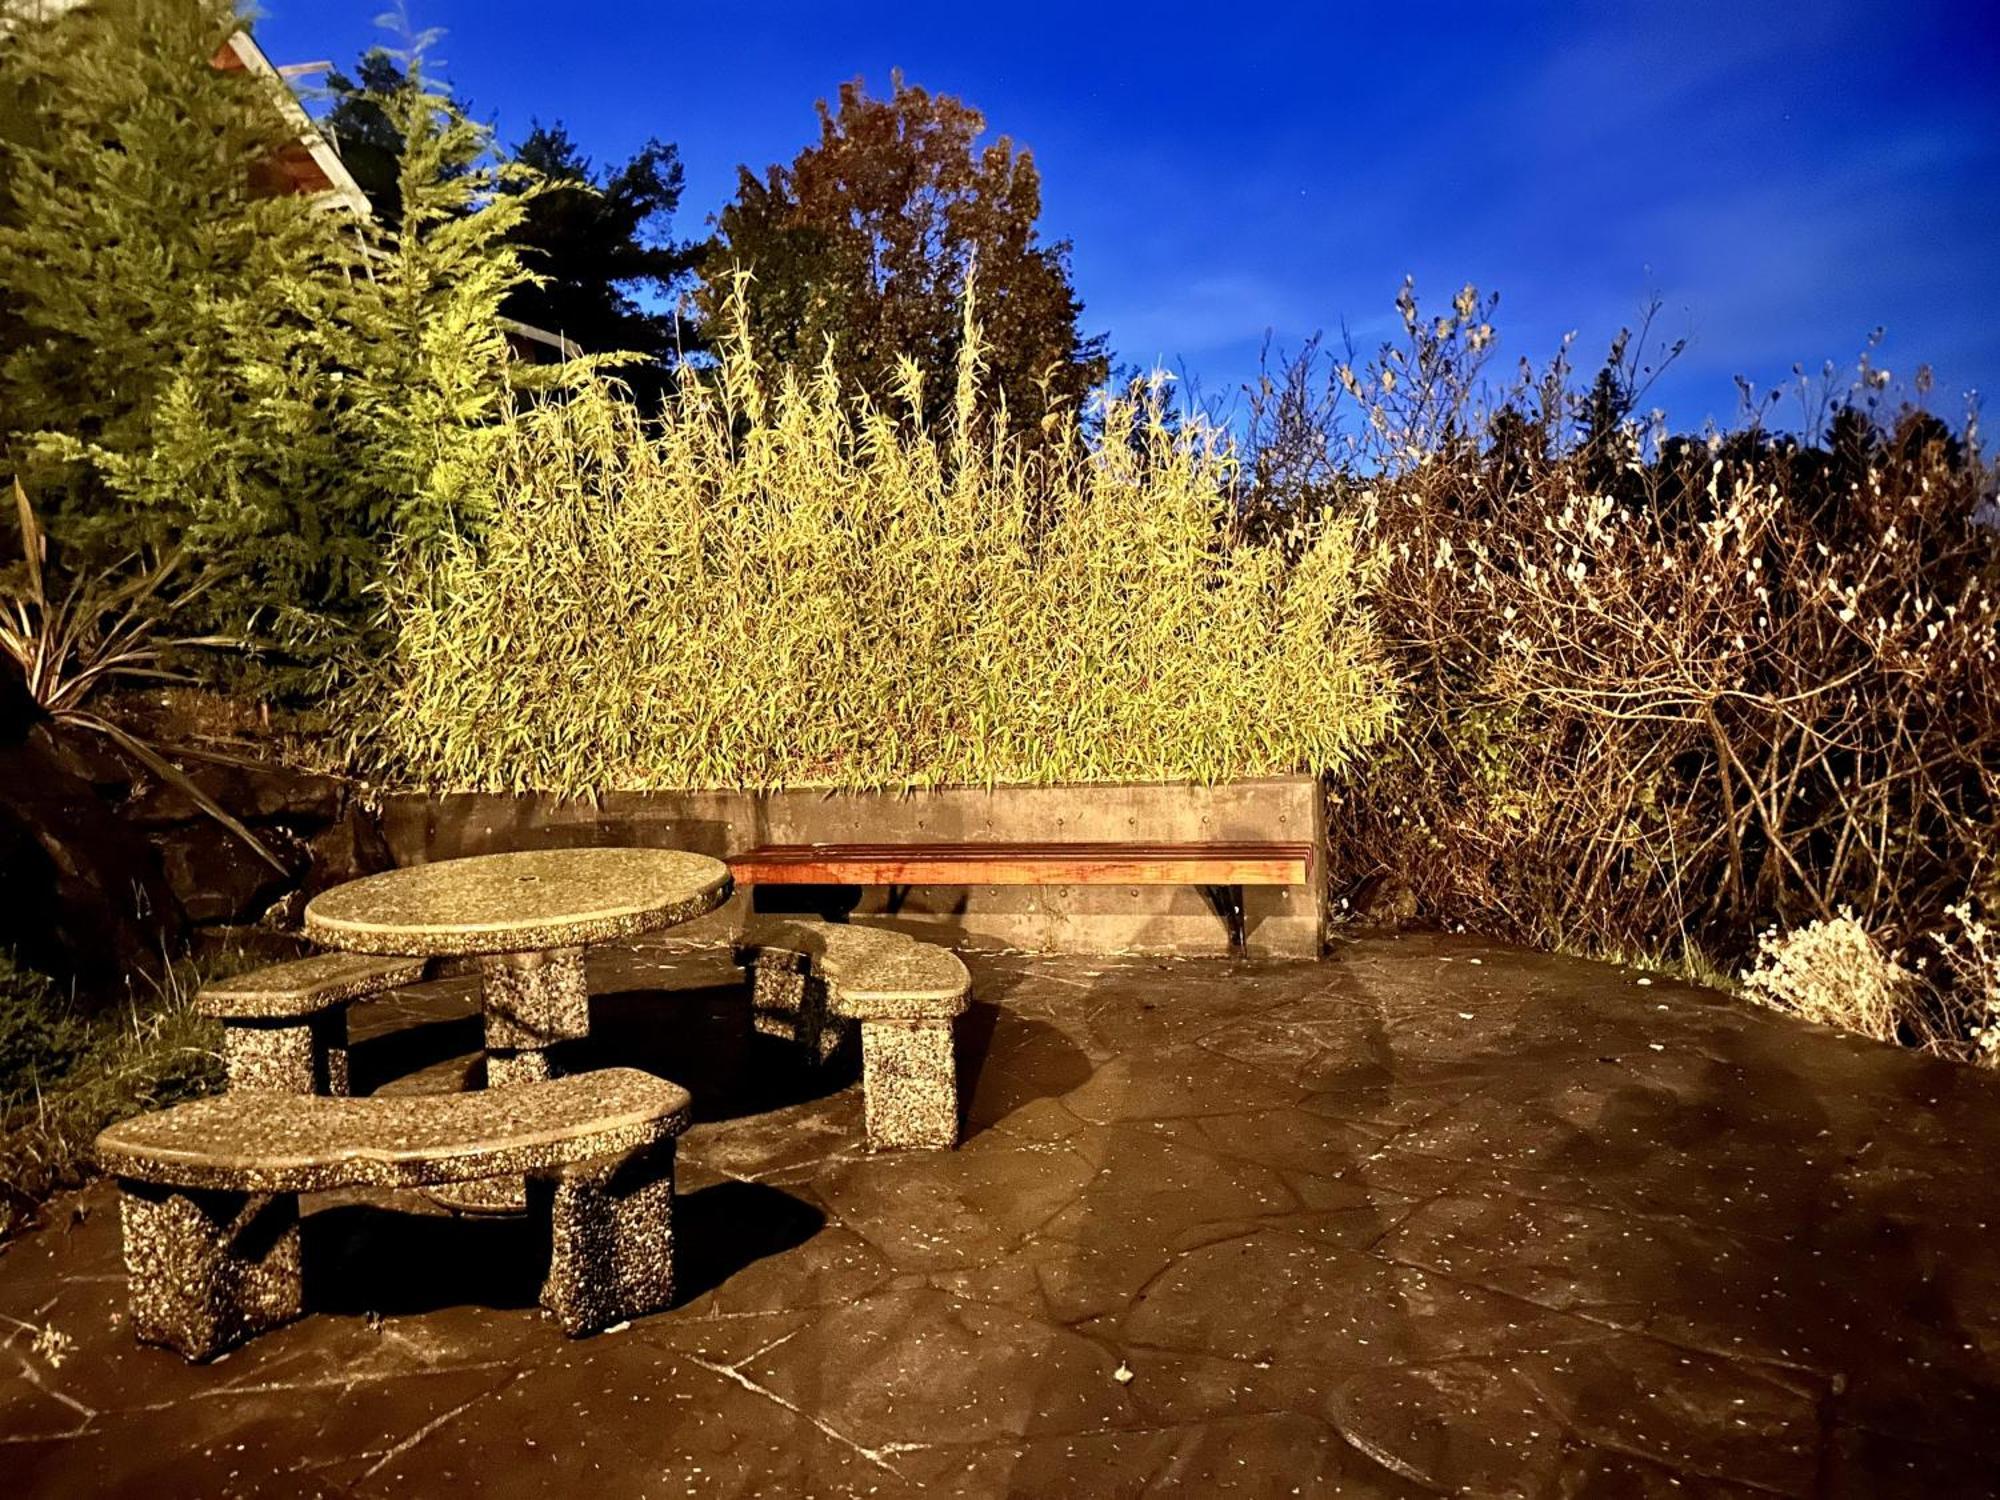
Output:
x=1393 y=1223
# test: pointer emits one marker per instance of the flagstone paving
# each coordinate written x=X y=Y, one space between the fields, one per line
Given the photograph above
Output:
x=1430 y=1216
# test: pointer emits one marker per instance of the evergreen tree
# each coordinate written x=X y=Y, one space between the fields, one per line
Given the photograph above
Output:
x=368 y=139
x=607 y=268
x=866 y=241
x=599 y=244
x=128 y=239
x=302 y=399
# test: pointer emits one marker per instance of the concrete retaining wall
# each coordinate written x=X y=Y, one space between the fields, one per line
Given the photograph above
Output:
x=1088 y=919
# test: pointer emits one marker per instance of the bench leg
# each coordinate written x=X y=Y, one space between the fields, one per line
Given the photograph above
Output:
x=206 y=1270
x=531 y=1001
x=791 y=1004
x=304 y=1057
x=330 y=1050
x=910 y=1083
x=509 y=1065
x=611 y=1234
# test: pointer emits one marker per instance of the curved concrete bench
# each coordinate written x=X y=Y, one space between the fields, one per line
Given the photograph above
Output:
x=211 y=1208
x=284 y=1028
x=810 y=979
x=790 y=963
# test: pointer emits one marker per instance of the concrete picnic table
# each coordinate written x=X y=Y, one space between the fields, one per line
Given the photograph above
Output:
x=526 y=917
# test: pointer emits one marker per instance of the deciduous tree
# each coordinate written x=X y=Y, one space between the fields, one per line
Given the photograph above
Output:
x=866 y=241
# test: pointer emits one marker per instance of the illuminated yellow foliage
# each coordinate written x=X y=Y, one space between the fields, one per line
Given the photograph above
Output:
x=778 y=585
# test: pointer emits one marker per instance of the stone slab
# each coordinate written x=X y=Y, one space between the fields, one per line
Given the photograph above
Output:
x=920 y=982
x=516 y=902
x=876 y=974
x=840 y=948
x=1394 y=1223
x=305 y=985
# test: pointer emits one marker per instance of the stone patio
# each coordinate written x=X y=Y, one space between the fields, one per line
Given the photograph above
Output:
x=1428 y=1216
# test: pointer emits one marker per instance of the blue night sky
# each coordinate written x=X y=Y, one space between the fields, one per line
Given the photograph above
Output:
x=1785 y=178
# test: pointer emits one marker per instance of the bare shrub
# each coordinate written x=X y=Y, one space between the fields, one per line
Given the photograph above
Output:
x=1663 y=693
x=1831 y=972
x=1970 y=980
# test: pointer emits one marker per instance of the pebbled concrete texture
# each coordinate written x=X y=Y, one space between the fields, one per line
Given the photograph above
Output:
x=1429 y=1216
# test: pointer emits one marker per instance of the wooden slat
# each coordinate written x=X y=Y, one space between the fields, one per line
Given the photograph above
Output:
x=1025 y=864
x=1024 y=849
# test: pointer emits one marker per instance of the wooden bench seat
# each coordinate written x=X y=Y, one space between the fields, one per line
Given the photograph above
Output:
x=811 y=981
x=1220 y=870
x=211 y=1210
x=285 y=1026
x=1224 y=864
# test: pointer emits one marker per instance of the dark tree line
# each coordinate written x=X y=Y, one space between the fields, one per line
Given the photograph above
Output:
x=861 y=247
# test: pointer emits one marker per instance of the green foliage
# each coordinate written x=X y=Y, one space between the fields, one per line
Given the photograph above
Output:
x=102 y=629
x=64 y=1078
x=597 y=241
x=301 y=398
x=430 y=315
x=786 y=585
x=39 y=1035
x=866 y=242
x=366 y=392
x=127 y=239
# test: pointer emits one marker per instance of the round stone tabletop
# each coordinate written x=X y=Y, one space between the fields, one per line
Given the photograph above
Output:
x=517 y=903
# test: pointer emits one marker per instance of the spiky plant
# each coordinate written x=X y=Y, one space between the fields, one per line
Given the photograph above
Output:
x=104 y=626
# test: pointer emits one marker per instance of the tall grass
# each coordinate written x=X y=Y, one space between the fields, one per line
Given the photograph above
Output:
x=778 y=584
x=64 y=1077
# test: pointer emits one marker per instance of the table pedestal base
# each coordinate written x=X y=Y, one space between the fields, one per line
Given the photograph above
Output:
x=513 y=1065
x=497 y=1195
x=534 y=1000
x=531 y=1001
